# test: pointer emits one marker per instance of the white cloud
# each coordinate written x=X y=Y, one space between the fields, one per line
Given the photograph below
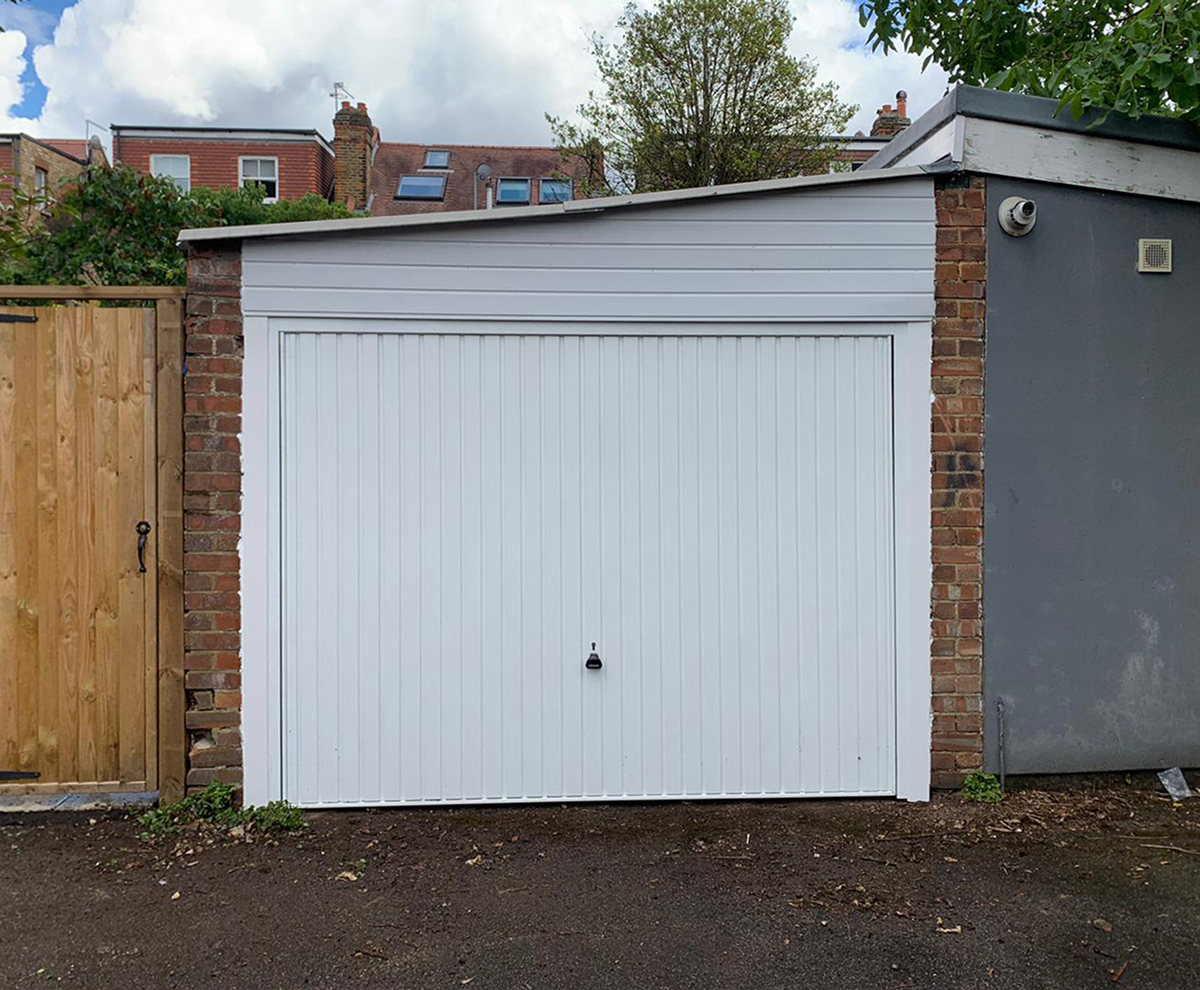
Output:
x=454 y=70
x=828 y=30
x=12 y=65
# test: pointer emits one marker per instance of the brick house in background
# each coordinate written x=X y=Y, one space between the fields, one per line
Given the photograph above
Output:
x=42 y=165
x=385 y=178
x=288 y=163
x=390 y=179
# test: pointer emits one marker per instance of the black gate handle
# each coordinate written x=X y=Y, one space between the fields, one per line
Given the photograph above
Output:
x=143 y=530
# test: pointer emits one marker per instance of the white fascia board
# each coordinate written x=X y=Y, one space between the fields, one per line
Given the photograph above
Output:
x=944 y=143
x=1067 y=158
x=216 y=134
x=570 y=207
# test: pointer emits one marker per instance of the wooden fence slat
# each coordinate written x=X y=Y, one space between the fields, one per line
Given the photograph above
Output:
x=25 y=376
x=77 y=787
x=149 y=580
x=100 y=711
x=131 y=737
x=49 y=588
x=9 y=613
x=85 y=411
x=105 y=292
x=65 y=327
x=172 y=735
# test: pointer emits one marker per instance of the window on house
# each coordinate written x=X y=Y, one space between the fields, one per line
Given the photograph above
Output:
x=554 y=190
x=264 y=171
x=177 y=168
x=437 y=159
x=426 y=187
x=39 y=182
x=512 y=191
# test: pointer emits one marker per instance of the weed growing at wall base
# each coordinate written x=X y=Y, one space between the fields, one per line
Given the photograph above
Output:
x=982 y=788
x=215 y=806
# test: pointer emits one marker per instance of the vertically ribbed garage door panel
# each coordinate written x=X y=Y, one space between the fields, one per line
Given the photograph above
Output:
x=463 y=515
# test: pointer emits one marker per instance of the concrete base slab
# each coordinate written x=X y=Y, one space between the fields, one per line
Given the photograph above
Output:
x=77 y=802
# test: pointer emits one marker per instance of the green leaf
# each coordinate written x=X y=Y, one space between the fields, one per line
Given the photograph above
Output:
x=1091 y=53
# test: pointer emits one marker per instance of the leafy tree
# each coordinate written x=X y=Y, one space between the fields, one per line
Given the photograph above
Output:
x=19 y=217
x=1132 y=57
x=117 y=226
x=703 y=92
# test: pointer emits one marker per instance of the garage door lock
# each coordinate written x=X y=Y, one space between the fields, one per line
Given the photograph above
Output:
x=593 y=660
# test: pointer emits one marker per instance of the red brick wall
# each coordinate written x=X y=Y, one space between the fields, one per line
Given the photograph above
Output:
x=304 y=167
x=6 y=176
x=212 y=502
x=957 y=505
x=353 y=137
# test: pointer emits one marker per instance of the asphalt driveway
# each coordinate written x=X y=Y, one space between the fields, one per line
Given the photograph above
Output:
x=1078 y=888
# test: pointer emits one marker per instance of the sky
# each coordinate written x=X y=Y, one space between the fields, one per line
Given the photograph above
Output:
x=449 y=71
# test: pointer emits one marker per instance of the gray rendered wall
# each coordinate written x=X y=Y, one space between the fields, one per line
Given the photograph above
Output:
x=1092 y=473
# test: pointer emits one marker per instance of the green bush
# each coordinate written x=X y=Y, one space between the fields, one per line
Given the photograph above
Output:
x=982 y=788
x=277 y=816
x=216 y=805
x=117 y=226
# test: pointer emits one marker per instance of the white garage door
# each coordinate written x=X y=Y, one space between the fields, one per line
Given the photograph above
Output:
x=464 y=516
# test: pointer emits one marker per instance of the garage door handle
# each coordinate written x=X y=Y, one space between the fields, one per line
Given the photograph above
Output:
x=143 y=530
x=593 y=660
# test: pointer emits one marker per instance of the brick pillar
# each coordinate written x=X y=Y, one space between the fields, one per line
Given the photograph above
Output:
x=353 y=145
x=957 y=379
x=212 y=502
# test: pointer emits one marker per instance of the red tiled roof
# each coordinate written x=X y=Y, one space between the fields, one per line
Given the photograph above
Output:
x=69 y=146
x=395 y=160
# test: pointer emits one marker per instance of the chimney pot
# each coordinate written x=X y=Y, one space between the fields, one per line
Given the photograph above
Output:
x=362 y=107
x=890 y=120
x=345 y=104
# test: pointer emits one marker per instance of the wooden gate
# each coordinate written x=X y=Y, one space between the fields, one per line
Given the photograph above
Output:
x=91 y=685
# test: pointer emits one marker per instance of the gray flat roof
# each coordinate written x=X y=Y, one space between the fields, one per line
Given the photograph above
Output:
x=569 y=208
x=211 y=133
x=1037 y=111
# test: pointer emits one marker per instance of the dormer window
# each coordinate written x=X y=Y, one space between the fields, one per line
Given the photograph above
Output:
x=437 y=159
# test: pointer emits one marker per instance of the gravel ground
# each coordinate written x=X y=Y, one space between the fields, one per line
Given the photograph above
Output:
x=1075 y=883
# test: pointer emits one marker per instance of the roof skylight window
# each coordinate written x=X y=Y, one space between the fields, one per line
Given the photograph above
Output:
x=421 y=187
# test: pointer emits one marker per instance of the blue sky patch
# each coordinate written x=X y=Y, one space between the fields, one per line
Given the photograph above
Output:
x=36 y=19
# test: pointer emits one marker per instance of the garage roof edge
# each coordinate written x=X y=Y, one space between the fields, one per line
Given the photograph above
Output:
x=1035 y=111
x=569 y=208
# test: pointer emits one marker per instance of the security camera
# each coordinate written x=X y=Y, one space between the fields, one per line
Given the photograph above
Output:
x=1017 y=216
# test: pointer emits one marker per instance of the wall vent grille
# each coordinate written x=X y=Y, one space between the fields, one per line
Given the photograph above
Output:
x=1154 y=254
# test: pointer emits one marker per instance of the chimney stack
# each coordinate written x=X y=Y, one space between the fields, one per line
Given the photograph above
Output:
x=353 y=149
x=890 y=122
